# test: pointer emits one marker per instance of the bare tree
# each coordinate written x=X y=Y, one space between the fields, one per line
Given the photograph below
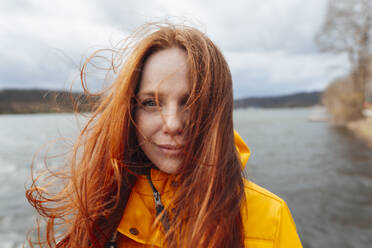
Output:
x=347 y=29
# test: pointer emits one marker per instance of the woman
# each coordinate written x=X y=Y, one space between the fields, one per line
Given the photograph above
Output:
x=158 y=164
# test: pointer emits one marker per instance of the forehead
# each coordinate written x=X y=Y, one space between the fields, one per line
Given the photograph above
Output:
x=165 y=70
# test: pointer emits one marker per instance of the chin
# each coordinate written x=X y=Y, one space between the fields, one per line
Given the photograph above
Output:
x=169 y=167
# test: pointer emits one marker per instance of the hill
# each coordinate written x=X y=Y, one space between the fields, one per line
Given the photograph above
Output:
x=14 y=101
x=302 y=99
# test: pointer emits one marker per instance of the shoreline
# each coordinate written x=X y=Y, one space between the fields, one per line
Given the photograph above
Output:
x=362 y=130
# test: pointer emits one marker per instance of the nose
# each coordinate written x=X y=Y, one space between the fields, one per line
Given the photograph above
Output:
x=174 y=121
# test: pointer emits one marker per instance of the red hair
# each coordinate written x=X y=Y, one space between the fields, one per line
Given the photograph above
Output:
x=107 y=158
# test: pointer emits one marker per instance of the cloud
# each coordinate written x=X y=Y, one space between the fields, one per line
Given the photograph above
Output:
x=258 y=74
x=129 y=15
x=256 y=25
x=268 y=44
x=44 y=46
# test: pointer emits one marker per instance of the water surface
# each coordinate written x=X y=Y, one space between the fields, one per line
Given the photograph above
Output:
x=324 y=174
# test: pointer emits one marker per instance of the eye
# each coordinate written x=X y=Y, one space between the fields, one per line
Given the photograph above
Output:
x=149 y=103
x=184 y=101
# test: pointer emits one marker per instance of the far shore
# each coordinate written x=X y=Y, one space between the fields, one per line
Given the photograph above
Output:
x=25 y=101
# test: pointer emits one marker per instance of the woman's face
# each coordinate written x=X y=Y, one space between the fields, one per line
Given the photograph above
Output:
x=161 y=115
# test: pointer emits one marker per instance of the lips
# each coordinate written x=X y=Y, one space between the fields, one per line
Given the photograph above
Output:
x=170 y=150
x=170 y=147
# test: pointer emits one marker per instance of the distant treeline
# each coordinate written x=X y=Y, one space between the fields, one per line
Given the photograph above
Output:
x=14 y=101
x=287 y=101
x=49 y=101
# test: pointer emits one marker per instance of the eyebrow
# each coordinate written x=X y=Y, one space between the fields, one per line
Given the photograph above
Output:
x=158 y=94
x=149 y=93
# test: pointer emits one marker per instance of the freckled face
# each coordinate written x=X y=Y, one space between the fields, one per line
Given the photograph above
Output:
x=160 y=115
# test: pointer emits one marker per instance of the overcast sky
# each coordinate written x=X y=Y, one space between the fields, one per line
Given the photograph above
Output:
x=269 y=44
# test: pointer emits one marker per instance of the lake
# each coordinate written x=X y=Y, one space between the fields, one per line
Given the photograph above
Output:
x=323 y=173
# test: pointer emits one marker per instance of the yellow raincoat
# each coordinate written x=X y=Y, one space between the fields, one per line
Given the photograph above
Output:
x=267 y=221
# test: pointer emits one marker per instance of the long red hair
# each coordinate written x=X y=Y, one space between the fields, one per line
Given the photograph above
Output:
x=106 y=157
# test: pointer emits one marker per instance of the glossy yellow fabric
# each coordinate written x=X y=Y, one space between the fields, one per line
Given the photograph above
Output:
x=267 y=221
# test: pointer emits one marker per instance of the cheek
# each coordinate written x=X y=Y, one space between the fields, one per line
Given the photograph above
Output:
x=147 y=124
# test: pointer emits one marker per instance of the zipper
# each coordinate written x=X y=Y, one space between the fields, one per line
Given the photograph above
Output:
x=159 y=207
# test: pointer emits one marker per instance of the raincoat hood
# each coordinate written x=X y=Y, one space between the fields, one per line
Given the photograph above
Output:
x=242 y=148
